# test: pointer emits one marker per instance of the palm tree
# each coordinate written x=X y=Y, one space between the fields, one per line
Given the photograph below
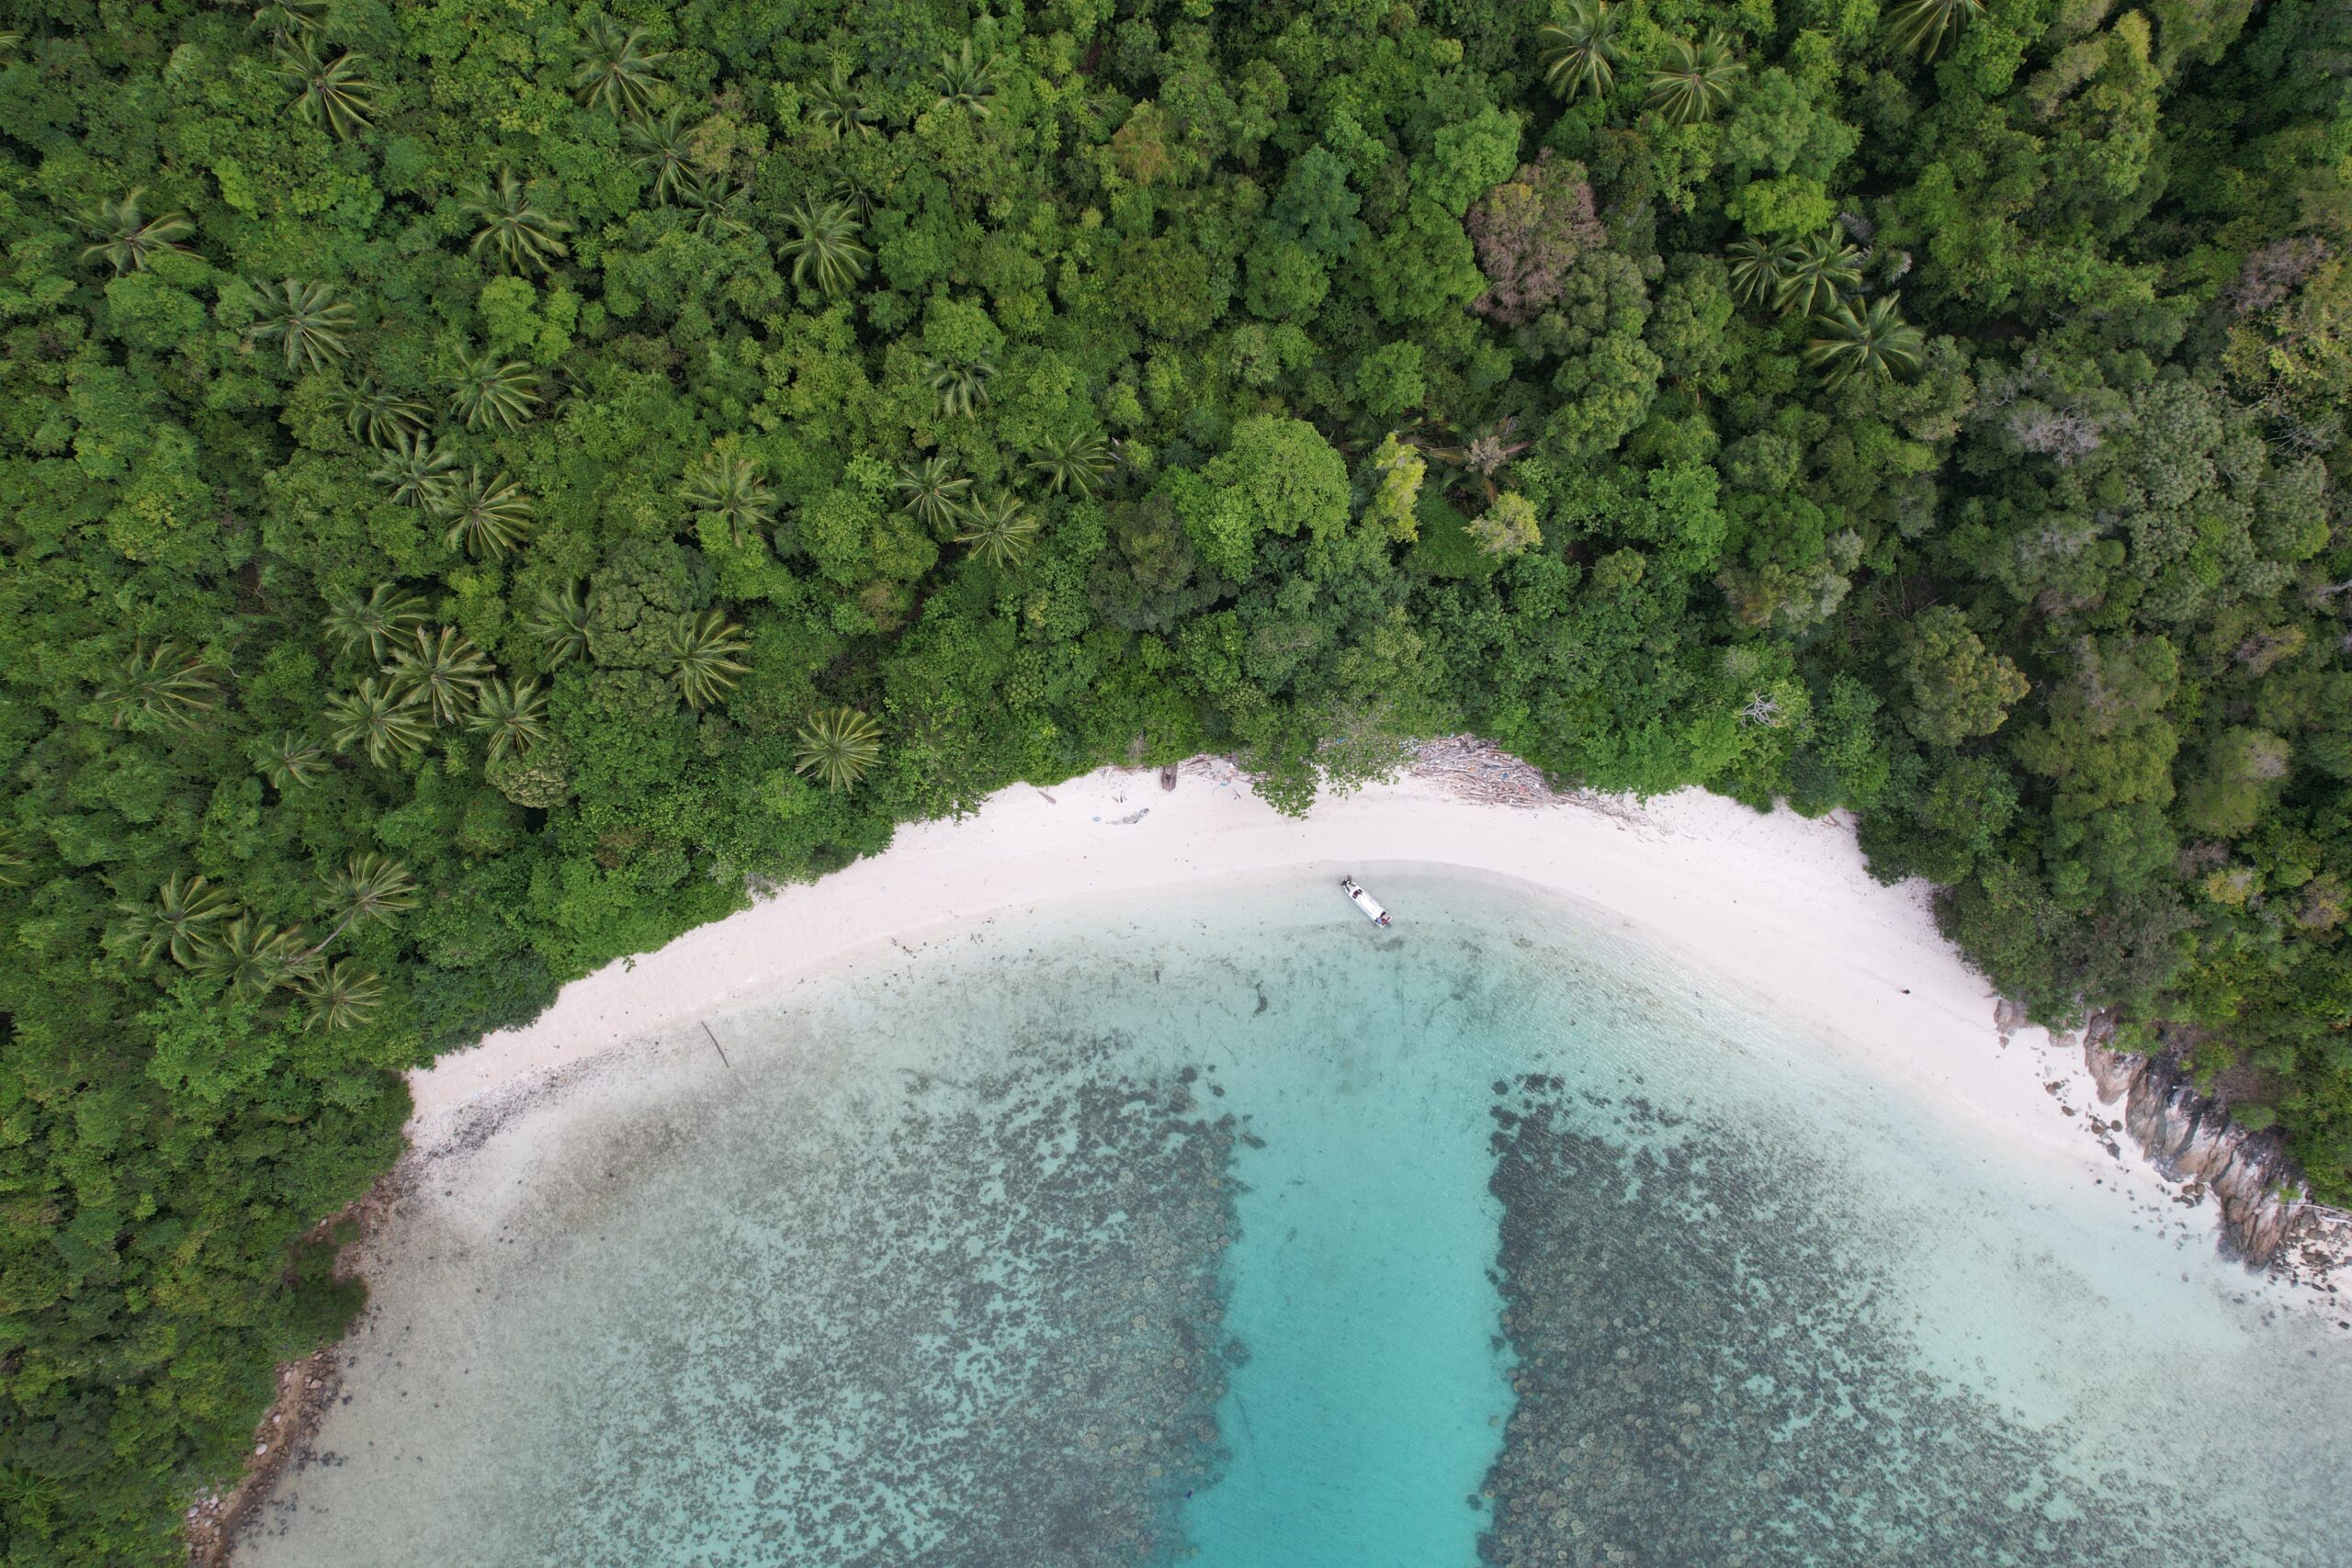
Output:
x=164 y=686
x=309 y=320
x=963 y=84
x=1756 y=268
x=1817 y=272
x=126 y=239
x=1580 y=55
x=492 y=392
x=846 y=190
x=334 y=93
x=14 y=860
x=661 y=149
x=417 y=469
x=701 y=658
x=559 y=622
x=288 y=21
x=174 y=922
x=1875 y=341
x=368 y=887
x=289 y=760
x=612 y=70
x=824 y=249
x=522 y=233
x=1924 y=26
x=718 y=206
x=962 y=388
x=378 y=416
x=342 y=995
x=386 y=720
x=488 y=516
x=514 y=717
x=730 y=488
x=934 y=494
x=443 y=672
x=836 y=110
x=254 y=957
x=837 y=746
x=1695 y=80
x=1000 y=531
x=1074 y=462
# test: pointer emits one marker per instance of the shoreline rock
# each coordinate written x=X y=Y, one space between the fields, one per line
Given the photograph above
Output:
x=2268 y=1220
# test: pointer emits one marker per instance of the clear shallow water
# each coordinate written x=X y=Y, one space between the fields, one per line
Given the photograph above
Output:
x=1233 y=1232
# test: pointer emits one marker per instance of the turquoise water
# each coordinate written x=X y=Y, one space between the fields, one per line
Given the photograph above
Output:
x=1372 y=1402
x=1229 y=1231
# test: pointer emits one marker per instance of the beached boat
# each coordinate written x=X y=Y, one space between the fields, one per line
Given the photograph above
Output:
x=1364 y=901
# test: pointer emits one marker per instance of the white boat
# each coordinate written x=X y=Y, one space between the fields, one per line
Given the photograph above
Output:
x=1364 y=901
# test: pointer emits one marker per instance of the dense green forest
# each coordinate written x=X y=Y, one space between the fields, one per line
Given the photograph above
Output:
x=491 y=484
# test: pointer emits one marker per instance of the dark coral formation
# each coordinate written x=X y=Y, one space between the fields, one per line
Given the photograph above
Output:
x=1706 y=1376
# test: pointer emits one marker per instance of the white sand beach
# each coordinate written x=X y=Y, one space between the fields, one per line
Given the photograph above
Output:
x=1779 y=905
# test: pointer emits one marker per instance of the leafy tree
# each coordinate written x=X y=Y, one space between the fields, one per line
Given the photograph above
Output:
x=1529 y=233
x=1507 y=528
x=1959 y=687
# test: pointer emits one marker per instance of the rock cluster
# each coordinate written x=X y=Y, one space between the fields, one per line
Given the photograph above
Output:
x=2190 y=1138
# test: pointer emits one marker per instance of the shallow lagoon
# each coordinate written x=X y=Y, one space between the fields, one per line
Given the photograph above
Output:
x=1229 y=1230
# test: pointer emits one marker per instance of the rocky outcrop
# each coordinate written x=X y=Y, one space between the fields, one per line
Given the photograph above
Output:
x=2189 y=1138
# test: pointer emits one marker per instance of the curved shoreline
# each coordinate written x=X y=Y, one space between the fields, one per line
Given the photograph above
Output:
x=1780 y=905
